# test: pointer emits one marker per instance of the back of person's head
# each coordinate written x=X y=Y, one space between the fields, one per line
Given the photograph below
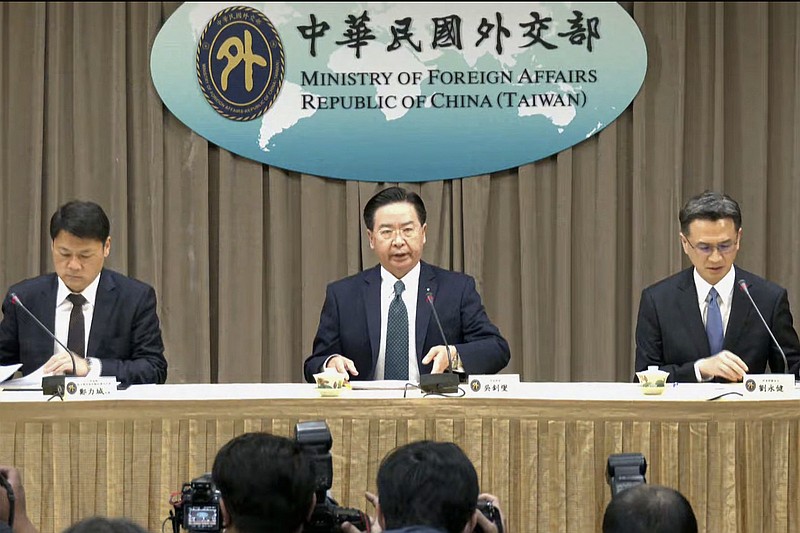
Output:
x=393 y=195
x=649 y=509
x=86 y=220
x=101 y=524
x=427 y=483
x=266 y=483
x=710 y=206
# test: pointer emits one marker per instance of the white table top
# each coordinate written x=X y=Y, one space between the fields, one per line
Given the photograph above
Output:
x=601 y=391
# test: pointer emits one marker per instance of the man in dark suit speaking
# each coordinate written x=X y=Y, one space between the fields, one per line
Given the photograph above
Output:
x=108 y=319
x=377 y=324
x=697 y=324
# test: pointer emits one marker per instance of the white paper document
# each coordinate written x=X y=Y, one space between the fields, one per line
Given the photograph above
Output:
x=8 y=371
x=34 y=379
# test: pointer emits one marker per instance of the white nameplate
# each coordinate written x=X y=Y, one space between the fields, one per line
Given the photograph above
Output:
x=768 y=385
x=492 y=384
x=89 y=388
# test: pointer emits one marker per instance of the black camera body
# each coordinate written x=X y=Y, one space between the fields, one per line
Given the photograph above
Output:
x=327 y=517
x=198 y=507
x=492 y=513
x=625 y=470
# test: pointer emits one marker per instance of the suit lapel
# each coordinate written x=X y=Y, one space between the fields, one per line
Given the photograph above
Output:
x=104 y=303
x=689 y=308
x=740 y=314
x=372 y=306
x=45 y=307
x=427 y=280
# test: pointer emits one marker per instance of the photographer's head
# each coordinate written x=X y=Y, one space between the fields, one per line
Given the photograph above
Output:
x=649 y=509
x=265 y=484
x=428 y=484
x=101 y=524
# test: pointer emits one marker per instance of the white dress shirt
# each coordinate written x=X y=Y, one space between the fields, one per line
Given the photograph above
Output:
x=63 y=310
x=724 y=288
x=411 y=281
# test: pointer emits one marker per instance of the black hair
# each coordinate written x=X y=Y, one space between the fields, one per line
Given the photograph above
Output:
x=649 y=509
x=266 y=482
x=709 y=205
x=393 y=195
x=101 y=524
x=86 y=220
x=428 y=483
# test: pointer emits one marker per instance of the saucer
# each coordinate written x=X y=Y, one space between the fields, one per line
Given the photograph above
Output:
x=327 y=392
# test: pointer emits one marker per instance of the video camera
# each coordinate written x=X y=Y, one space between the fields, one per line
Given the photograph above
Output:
x=625 y=470
x=197 y=509
x=327 y=517
x=197 y=506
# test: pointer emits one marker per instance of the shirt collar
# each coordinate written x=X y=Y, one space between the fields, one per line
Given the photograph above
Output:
x=411 y=279
x=724 y=286
x=90 y=292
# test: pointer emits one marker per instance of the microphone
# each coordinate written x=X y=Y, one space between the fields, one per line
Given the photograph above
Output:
x=429 y=299
x=49 y=383
x=743 y=285
x=448 y=381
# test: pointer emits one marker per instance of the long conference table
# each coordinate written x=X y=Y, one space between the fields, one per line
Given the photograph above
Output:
x=542 y=448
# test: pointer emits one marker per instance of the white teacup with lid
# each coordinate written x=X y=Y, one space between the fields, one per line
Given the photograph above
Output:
x=653 y=380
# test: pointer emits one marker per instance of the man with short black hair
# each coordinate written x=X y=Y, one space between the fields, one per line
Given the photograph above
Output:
x=428 y=487
x=377 y=324
x=266 y=483
x=697 y=324
x=109 y=320
x=649 y=509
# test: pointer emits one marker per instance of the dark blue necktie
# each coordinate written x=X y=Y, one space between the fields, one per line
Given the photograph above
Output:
x=714 y=330
x=396 y=363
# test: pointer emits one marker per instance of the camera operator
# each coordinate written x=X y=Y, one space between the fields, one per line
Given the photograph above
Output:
x=265 y=484
x=22 y=523
x=430 y=487
x=649 y=509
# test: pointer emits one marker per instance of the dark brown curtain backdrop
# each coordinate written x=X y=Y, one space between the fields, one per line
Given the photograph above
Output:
x=240 y=253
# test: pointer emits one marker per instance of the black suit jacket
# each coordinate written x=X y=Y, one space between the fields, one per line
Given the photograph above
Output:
x=125 y=332
x=670 y=331
x=350 y=323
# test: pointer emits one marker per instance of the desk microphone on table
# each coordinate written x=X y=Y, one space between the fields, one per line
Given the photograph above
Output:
x=743 y=285
x=50 y=384
x=446 y=382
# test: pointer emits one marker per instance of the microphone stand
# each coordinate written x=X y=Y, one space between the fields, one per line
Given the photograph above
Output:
x=743 y=286
x=446 y=382
x=51 y=385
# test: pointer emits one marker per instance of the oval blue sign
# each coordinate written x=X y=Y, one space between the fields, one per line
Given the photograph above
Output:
x=398 y=91
x=240 y=63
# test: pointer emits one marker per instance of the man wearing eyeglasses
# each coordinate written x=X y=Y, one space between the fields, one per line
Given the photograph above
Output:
x=378 y=324
x=697 y=324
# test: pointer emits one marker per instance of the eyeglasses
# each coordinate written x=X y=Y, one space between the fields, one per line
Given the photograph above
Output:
x=708 y=249
x=406 y=233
